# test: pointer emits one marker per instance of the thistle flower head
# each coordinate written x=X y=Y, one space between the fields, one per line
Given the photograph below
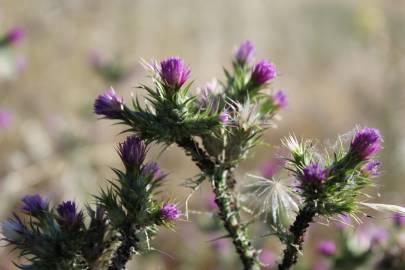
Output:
x=274 y=199
x=247 y=115
x=313 y=173
x=132 y=152
x=326 y=248
x=371 y=168
x=211 y=204
x=379 y=236
x=343 y=221
x=279 y=99
x=203 y=98
x=173 y=72
x=365 y=143
x=152 y=168
x=68 y=216
x=270 y=168
x=169 y=212
x=15 y=35
x=294 y=146
x=108 y=104
x=12 y=229
x=399 y=219
x=208 y=96
x=267 y=258
x=367 y=237
x=245 y=52
x=223 y=117
x=34 y=204
x=321 y=265
x=263 y=72
x=5 y=119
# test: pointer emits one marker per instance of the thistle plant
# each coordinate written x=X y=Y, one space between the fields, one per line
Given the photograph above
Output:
x=130 y=204
x=57 y=237
x=217 y=127
x=329 y=185
x=125 y=218
x=228 y=119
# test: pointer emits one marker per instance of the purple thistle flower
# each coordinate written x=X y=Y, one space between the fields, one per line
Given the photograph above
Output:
x=204 y=98
x=208 y=93
x=343 y=221
x=326 y=248
x=399 y=219
x=132 y=152
x=34 y=204
x=211 y=204
x=321 y=265
x=108 y=104
x=379 y=236
x=223 y=117
x=173 y=72
x=170 y=212
x=279 y=99
x=269 y=169
x=263 y=72
x=313 y=173
x=244 y=54
x=15 y=35
x=267 y=258
x=152 y=168
x=365 y=143
x=371 y=168
x=5 y=119
x=68 y=216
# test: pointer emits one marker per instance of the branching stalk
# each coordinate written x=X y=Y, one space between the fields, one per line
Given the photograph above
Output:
x=127 y=248
x=229 y=213
x=295 y=238
x=223 y=181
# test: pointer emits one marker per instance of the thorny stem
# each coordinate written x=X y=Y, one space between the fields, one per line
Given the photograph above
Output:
x=125 y=251
x=229 y=213
x=295 y=238
x=223 y=183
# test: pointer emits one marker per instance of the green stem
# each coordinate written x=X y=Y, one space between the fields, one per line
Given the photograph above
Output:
x=127 y=248
x=295 y=239
x=229 y=214
x=223 y=183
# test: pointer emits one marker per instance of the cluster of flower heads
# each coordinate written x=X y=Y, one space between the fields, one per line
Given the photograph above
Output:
x=68 y=217
x=228 y=117
x=365 y=143
x=131 y=203
x=138 y=184
x=262 y=72
x=213 y=99
x=42 y=231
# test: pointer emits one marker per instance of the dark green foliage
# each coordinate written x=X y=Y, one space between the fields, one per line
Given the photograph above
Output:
x=47 y=246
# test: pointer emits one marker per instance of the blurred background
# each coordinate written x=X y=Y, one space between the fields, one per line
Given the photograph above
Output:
x=341 y=64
